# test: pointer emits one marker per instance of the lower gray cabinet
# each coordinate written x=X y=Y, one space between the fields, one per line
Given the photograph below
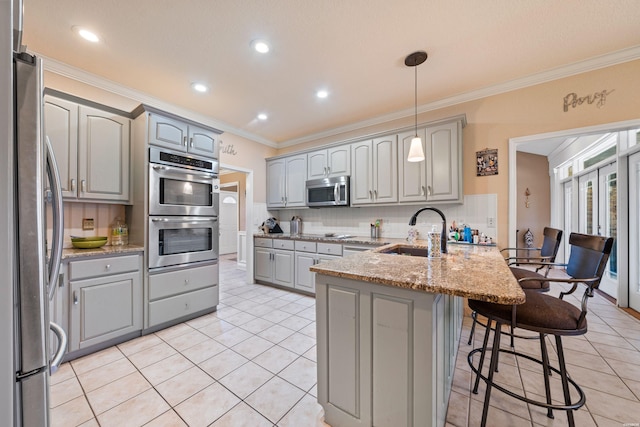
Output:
x=105 y=299
x=271 y=265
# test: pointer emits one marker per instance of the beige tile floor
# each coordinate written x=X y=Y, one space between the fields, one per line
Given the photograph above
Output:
x=253 y=363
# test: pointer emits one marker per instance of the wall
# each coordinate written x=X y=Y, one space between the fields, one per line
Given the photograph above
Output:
x=241 y=179
x=491 y=121
x=533 y=173
x=103 y=215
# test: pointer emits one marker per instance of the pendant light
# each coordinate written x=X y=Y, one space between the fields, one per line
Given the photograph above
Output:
x=416 y=154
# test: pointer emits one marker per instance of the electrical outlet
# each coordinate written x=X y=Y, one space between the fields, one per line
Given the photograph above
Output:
x=491 y=222
x=87 y=223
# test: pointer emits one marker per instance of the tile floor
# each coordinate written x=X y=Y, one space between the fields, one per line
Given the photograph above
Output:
x=253 y=363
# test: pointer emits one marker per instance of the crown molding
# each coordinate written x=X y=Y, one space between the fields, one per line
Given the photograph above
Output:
x=591 y=64
x=65 y=70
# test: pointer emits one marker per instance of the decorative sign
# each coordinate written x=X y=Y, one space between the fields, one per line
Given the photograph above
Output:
x=227 y=149
x=487 y=162
x=573 y=100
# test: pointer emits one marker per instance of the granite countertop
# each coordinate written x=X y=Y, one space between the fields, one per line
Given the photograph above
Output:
x=359 y=240
x=107 y=250
x=475 y=272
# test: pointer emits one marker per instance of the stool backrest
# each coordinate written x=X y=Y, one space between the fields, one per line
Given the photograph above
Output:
x=589 y=256
x=551 y=243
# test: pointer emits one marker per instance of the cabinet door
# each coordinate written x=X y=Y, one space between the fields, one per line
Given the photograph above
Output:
x=61 y=127
x=296 y=176
x=411 y=175
x=283 y=268
x=203 y=142
x=262 y=264
x=361 y=173
x=103 y=155
x=167 y=132
x=317 y=164
x=104 y=308
x=304 y=277
x=276 y=175
x=385 y=169
x=339 y=161
x=444 y=162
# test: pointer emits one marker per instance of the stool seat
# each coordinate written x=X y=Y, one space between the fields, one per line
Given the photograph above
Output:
x=540 y=313
x=540 y=285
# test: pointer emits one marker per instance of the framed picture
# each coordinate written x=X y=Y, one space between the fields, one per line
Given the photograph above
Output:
x=487 y=162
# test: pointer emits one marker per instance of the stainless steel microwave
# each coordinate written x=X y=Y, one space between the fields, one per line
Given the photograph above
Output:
x=328 y=192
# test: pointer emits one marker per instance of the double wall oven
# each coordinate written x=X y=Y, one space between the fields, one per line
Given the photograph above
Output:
x=184 y=192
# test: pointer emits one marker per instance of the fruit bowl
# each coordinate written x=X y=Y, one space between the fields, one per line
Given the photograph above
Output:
x=88 y=242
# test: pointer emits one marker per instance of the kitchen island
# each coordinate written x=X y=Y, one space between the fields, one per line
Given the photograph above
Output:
x=388 y=328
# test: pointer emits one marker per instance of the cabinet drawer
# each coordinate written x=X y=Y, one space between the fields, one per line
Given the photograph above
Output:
x=262 y=243
x=283 y=244
x=178 y=282
x=330 y=249
x=103 y=266
x=302 y=246
x=178 y=306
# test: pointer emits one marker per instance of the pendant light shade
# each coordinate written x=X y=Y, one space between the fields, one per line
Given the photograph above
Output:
x=416 y=153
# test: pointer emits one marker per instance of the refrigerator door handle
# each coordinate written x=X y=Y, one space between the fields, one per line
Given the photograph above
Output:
x=58 y=220
x=62 y=346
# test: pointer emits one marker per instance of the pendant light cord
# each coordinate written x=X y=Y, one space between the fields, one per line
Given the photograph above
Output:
x=416 y=98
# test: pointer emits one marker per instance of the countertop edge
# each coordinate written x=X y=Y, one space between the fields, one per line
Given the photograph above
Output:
x=104 y=251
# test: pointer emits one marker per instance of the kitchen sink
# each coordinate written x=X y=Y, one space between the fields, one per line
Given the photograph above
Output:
x=406 y=250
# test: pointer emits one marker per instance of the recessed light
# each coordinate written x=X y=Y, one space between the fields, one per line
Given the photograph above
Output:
x=199 y=87
x=87 y=34
x=262 y=116
x=260 y=46
x=322 y=94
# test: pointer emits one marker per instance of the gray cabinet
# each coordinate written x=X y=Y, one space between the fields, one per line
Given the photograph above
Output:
x=374 y=174
x=92 y=147
x=330 y=162
x=385 y=354
x=178 y=135
x=177 y=294
x=286 y=182
x=105 y=299
x=274 y=261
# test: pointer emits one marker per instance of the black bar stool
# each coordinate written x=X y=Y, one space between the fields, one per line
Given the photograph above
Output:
x=546 y=315
x=529 y=279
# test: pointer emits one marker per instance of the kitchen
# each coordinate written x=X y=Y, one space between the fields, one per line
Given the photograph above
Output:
x=491 y=121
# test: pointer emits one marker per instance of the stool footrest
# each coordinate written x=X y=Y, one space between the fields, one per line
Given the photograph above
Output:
x=569 y=407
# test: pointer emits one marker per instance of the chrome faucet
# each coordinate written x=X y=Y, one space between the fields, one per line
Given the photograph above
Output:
x=443 y=235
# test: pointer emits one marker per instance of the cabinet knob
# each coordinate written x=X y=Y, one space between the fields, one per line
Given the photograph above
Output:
x=375 y=194
x=107 y=267
x=186 y=306
x=186 y=282
x=83 y=185
x=370 y=194
x=73 y=184
x=422 y=192
x=75 y=297
x=429 y=190
x=184 y=141
x=191 y=142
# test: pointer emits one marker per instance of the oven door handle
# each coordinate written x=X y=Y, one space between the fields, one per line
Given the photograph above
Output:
x=182 y=172
x=190 y=219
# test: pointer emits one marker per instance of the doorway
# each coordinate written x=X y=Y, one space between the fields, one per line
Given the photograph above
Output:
x=598 y=214
x=228 y=229
x=634 y=231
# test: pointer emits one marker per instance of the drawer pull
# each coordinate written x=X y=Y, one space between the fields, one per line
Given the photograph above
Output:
x=107 y=267
x=186 y=306
x=75 y=298
x=186 y=282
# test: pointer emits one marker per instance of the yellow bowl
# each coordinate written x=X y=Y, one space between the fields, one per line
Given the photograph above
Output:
x=88 y=242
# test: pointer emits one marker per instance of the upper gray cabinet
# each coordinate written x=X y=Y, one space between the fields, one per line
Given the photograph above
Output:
x=439 y=177
x=374 y=175
x=92 y=148
x=286 y=182
x=181 y=136
x=330 y=162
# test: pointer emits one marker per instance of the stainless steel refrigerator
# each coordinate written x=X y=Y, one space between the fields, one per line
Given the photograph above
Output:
x=35 y=261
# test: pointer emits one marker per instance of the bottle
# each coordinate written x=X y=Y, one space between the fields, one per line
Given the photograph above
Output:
x=434 y=250
x=119 y=233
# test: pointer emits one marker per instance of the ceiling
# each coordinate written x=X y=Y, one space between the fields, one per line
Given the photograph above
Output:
x=355 y=49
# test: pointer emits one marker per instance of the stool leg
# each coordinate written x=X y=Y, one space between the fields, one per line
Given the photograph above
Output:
x=492 y=367
x=482 y=354
x=546 y=370
x=473 y=326
x=565 y=383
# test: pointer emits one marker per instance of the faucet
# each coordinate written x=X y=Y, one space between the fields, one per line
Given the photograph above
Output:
x=443 y=235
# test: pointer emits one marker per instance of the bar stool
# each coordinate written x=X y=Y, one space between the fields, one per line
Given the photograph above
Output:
x=529 y=279
x=546 y=315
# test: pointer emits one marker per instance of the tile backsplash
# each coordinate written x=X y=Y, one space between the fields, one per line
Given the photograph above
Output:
x=475 y=212
x=102 y=215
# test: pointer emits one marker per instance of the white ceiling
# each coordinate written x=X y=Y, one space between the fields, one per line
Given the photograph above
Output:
x=353 y=48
